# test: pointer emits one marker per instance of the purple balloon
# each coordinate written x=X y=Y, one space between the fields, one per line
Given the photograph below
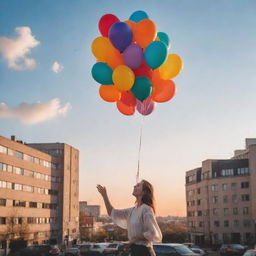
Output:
x=145 y=107
x=133 y=56
x=120 y=35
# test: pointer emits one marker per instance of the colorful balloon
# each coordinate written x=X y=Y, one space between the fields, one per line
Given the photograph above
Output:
x=172 y=67
x=132 y=26
x=156 y=54
x=120 y=35
x=163 y=37
x=163 y=91
x=125 y=109
x=133 y=56
x=123 y=78
x=102 y=48
x=143 y=70
x=144 y=32
x=106 y=22
x=102 y=73
x=142 y=88
x=109 y=93
x=138 y=16
x=128 y=98
x=145 y=107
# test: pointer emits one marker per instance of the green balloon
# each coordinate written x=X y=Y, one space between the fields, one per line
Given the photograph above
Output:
x=164 y=38
x=102 y=73
x=142 y=88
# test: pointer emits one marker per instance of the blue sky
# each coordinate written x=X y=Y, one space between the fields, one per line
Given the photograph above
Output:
x=210 y=116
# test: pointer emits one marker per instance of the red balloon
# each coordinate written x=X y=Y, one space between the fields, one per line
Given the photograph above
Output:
x=143 y=70
x=106 y=22
x=124 y=109
x=128 y=98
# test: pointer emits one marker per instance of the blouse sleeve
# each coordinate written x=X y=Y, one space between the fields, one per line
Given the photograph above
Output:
x=120 y=217
x=152 y=231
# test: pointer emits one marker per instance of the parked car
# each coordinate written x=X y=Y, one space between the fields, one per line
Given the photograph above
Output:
x=190 y=245
x=85 y=249
x=117 y=249
x=232 y=250
x=73 y=251
x=199 y=251
x=173 y=250
x=40 y=250
x=98 y=249
x=250 y=253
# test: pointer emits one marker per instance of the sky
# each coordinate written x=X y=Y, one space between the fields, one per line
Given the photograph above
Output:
x=47 y=93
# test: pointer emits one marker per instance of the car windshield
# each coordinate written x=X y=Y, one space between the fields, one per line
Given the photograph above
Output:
x=86 y=246
x=183 y=249
x=238 y=246
x=112 y=245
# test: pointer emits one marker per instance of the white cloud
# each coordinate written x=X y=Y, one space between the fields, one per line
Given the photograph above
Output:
x=57 y=67
x=35 y=112
x=15 y=50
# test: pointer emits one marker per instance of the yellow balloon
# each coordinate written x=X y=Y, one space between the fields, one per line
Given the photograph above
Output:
x=171 y=68
x=123 y=77
x=102 y=48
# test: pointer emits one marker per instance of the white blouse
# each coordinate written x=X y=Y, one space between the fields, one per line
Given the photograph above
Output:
x=140 y=222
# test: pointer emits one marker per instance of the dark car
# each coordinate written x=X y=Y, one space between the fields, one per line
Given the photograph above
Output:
x=199 y=251
x=232 y=250
x=173 y=250
x=117 y=249
x=40 y=250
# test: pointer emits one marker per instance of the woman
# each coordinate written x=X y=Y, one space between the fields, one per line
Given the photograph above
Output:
x=140 y=220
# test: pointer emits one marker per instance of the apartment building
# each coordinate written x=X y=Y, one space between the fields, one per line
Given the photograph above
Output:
x=221 y=199
x=38 y=191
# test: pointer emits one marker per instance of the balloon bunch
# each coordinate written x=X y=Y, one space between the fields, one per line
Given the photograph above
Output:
x=133 y=65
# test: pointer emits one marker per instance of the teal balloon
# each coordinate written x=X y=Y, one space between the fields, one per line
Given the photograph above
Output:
x=163 y=37
x=138 y=16
x=156 y=54
x=142 y=88
x=102 y=73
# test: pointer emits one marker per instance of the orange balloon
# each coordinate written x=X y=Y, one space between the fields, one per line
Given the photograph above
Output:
x=115 y=59
x=156 y=79
x=125 y=109
x=132 y=26
x=163 y=91
x=109 y=93
x=144 y=32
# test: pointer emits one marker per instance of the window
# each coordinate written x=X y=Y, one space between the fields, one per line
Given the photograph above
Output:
x=226 y=211
x=28 y=173
x=11 y=152
x=247 y=223
x=245 y=197
x=2 y=220
x=36 y=160
x=243 y=171
x=215 y=211
x=19 y=154
x=215 y=199
x=245 y=184
x=3 y=167
x=30 y=220
x=227 y=172
x=3 y=149
x=225 y=199
x=199 y=213
x=198 y=202
x=2 y=184
x=236 y=223
x=233 y=186
x=33 y=204
x=17 y=186
x=214 y=187
x=245 y=210
x=27 y=188
x=235 y=211
x=216 y=223
x=226 y=223
x=18 y=170
x=9 y=185
x=2 y=202
x=19 y=203
x=234 y=198
x=29 y=158
x=224 y=187
x=9 y=168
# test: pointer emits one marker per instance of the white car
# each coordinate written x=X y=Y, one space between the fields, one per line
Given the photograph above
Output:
x=250 y=253
x=99 y=247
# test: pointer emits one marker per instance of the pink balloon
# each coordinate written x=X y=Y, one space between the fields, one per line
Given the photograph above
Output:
x=145 y=107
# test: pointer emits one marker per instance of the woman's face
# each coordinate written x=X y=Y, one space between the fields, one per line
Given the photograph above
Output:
x=138 y=189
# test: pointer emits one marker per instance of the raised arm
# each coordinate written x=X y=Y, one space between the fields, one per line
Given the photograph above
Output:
x=102 y=190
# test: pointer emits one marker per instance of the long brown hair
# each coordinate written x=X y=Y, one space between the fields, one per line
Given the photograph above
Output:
x=148 y=195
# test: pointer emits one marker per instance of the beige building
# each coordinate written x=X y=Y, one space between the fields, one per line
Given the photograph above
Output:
x=38 y=191
x=89 y=210
x=221 y=199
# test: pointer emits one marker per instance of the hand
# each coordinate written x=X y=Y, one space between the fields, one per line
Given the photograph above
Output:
x=102 y=190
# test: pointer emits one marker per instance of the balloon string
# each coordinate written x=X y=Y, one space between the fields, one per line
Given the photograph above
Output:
x=138 y=170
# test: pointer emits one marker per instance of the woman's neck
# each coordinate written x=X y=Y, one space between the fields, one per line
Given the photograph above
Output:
x=139 y=201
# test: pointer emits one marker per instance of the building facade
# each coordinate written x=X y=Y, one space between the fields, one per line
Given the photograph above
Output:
x=89 y=210
x=38 y=191
x=221 y=199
